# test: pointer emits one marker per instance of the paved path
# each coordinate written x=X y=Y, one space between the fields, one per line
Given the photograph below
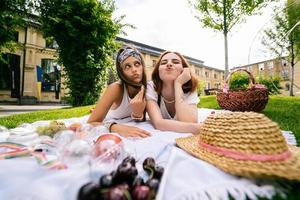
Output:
x=6 y=110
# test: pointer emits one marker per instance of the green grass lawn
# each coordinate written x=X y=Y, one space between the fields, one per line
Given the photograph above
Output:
x=15 y=120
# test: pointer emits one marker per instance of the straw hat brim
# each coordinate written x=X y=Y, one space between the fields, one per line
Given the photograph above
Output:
x=287 y=169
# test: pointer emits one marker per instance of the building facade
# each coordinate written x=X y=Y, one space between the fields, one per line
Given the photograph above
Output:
x=32 y=74
x=276 y=67
x=31 y=71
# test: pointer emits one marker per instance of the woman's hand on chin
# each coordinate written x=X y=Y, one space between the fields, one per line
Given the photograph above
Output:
x=184 y=77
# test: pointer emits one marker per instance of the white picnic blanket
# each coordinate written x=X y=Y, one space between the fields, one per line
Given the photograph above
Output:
x=185 y=176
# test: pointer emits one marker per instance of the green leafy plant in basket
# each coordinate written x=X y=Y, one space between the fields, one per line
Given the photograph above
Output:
x=239 y=81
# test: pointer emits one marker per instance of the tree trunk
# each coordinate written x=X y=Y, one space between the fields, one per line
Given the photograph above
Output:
x=225 y=31
x=226 y=55
x=292 y=68
x=292 y=80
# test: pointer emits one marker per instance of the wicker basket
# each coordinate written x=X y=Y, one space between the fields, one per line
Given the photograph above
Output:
x=254 y=98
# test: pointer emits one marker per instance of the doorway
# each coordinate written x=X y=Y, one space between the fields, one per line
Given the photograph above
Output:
x=10 y=74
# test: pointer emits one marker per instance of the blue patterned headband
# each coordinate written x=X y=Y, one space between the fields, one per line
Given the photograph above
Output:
x=128 y=52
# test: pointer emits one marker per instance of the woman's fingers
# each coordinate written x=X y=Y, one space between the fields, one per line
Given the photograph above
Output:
x=137 y=132
x=140 y=94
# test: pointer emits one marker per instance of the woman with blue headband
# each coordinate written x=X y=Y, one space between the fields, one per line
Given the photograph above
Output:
x=126 y=97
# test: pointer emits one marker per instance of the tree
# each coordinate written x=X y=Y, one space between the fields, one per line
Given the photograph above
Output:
x=223 y=15
x=85 y=33
x=284 y=38
x=13 y=14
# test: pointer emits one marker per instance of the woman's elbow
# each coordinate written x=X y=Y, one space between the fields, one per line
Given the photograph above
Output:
x=188 y=119
x=158 y=124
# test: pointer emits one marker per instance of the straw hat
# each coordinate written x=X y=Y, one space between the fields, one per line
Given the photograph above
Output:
x=245 y=144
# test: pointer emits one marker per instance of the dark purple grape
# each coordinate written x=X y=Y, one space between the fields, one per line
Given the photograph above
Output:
x=158 y=172
x=117 y=193
x=129 y=159
x=106 y=181
x=123 y=186
x=125 y=173
x=141 y=192
x=124 y=167
x=149 y=165
x=138 y=181
x=153 y=184
x=89 y=191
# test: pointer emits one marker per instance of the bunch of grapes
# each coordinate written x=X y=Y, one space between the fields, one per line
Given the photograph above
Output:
x=52 y=128
x=124 y=183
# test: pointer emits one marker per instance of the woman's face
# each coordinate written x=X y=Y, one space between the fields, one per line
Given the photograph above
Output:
x=132 y=69
x=170 y=67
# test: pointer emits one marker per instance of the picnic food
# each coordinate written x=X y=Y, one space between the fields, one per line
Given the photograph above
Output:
x=108 y=146
x=122 y=183
x=52 y=128
x=75 y=126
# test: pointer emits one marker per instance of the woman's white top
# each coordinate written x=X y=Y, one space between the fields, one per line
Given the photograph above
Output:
x=123 y=111
x=151 y=94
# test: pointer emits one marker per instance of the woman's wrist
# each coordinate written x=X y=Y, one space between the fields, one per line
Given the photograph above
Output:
x=109 y=125
x=177 y=83
x=138 y=117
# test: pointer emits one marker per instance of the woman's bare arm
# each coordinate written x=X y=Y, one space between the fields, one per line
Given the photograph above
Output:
x=112 y=94
x=167 y=124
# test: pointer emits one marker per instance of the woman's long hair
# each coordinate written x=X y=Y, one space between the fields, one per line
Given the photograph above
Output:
x=189 y=86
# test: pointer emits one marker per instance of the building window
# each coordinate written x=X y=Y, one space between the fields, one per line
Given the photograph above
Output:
x=197 y=72
x=206 y=74
x=51 y=44
x=270 y=65
x=249 y=68
x=284 y=62
x=215 y=76
x=287 y=87
x=5 y=74
x=51 y=75
x=217 y=85
x=207 y=85
x=154 y=63
x=285 y=74
x=261 y=66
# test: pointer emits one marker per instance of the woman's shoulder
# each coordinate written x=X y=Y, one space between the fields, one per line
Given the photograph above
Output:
x=151 y=94
x=150 y=84
x=116 y=87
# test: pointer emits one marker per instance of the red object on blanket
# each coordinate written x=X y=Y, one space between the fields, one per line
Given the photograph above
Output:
x=108 y=145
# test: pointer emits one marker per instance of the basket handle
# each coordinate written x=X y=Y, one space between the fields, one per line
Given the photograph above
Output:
x=226 y=85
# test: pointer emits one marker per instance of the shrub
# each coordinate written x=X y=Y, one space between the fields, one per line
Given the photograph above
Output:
x=272 y=83
x=200 y=87
x=239 y=80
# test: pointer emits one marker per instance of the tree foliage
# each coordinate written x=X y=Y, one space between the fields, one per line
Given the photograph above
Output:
x=223 y=15
x=283 y=39
x=241 y=81
x=13 y=14
x=85 y=33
